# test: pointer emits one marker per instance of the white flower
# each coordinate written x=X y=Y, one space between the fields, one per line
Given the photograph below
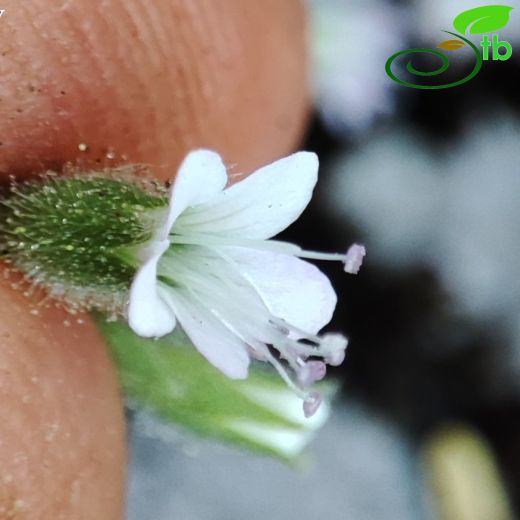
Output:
x=236 y=294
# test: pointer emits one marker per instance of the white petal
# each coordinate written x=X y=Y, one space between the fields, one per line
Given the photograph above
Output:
x=201 y=176
x=213 y=340
x=292 y=289
x=148 y=315
x=261 y=205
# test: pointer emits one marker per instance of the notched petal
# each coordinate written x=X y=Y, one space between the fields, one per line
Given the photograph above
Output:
x=261 y=205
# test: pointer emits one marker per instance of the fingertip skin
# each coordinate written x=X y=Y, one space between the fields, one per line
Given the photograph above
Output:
x=139 y=82
x=62 y=430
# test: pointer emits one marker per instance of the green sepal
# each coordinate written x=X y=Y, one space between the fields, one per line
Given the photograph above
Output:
x=171 y=379
x=77 y=235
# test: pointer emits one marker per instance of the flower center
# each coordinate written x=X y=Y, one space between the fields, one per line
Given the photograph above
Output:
x=227 y=293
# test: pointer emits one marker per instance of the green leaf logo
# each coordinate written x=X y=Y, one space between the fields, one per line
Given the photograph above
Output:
x=485 y=19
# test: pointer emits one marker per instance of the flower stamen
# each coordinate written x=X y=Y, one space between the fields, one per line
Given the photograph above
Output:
x=230 y=295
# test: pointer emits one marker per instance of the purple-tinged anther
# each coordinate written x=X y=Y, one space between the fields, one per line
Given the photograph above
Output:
x=333 y=348
x=311 y=404
x=311 y=372
x=354 y=258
